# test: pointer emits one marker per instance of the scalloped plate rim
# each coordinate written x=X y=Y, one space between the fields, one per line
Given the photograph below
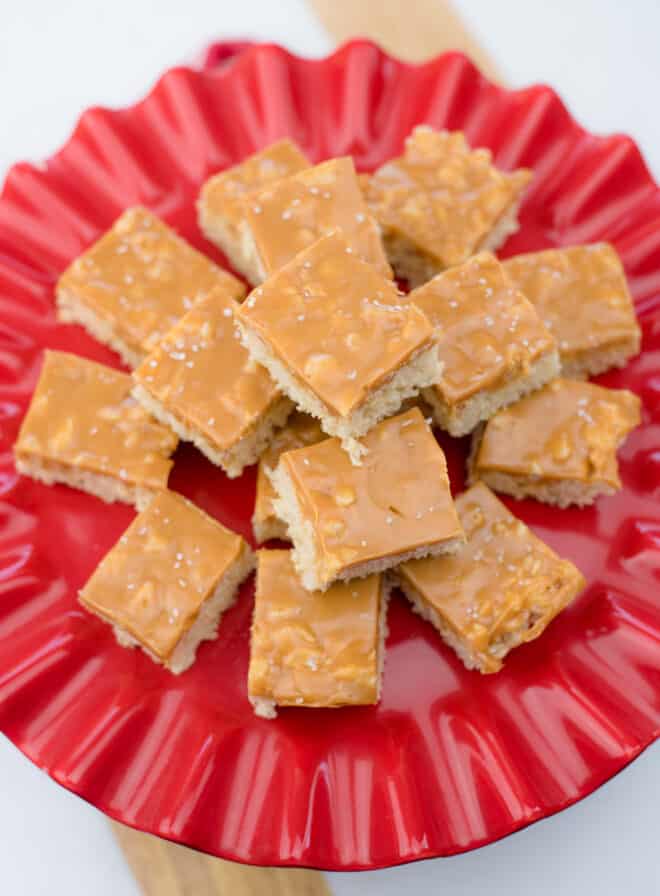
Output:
x=626 y=757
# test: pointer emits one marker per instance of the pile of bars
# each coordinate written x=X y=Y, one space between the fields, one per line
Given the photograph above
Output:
x=331 y=378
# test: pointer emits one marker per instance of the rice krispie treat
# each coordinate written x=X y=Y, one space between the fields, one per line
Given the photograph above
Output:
x=582 y=295
x=84 y=429
x=346 y=521
x=314 y=649
x=501 y=589
x=299 y=430
x=136 y=282
x=167 y=581
x=201 y=382
x=441 y=202
x=288 y=216
x=493 y=346
x=337 y=338
x=219 y=207
x=557 y=445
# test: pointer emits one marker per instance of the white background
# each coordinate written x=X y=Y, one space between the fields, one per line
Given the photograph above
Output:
x=58 y=57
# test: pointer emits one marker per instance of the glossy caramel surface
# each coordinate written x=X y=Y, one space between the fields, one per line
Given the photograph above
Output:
x=313 y=648
x=153 y=582
x=82 y=416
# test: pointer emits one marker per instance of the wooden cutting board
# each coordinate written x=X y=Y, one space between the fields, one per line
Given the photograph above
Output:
x=166 y=869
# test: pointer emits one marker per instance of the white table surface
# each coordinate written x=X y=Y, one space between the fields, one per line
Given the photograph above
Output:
x=58 y=58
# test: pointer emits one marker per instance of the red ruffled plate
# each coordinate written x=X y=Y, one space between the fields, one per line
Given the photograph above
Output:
x=450 y=760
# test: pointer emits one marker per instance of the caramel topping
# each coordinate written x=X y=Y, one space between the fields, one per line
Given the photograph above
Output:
x=203 y=376
x=501 y=588
x=443 y=197
x=396 y=501
x=336 y=323
x=487 y=331
x=153 y=582
x=221 y=194
x=567 y=430
x=300 y=430
x=293 y=213
x=580 y=293
x=313 y=648
x=141 y=278
x=82 y=415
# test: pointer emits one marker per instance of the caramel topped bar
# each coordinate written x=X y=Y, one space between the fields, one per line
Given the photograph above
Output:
x=441 y=202
x=559 y=444
x=300 y=430
x=582 y=295
x=168 y=578
x=347 y=521
x=314 y=649
x=135 y=283
x=492 y=343
x=83 y=428
x=287 y=217
x=220 y=208
x=201 y=382
x=338 y=338
x=499 y=590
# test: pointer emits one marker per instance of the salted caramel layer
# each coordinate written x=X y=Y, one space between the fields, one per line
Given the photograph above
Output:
x=82 y=415
x=398 y=500
x=290 y=215
x=300 y=430
x=313 y=648
x=154 y=581
x=221 y=194
x=140 y=278
x=503 y=585
x=337 y=324
x=487 y=331
x=443 y=197
x=203 y=376
x=581 y=294
x=567 y=430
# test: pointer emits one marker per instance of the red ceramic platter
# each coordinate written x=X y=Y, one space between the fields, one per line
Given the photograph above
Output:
x=450 y=760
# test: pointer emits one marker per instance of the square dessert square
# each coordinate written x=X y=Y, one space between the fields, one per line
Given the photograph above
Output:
x=337 y=338
x=136 y=282
x=557 y=445
x=300 y=430
x=84 y=429
x=201 y=383
x=165 y=584
x=501 y=589
x=441 y=202
x=288 y=216
x=314 y=649
x=346 y=521
x=493 y=346
x=219 y=207
x=582 y=295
